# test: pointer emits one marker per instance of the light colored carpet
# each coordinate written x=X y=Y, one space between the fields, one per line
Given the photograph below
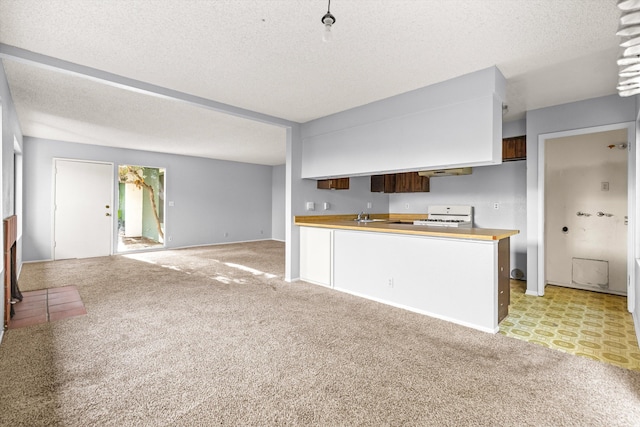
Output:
x=193 y=337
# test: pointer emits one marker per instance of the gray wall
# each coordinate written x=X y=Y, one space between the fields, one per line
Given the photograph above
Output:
x=278 y=189
x=211 y=197
x=10 y=132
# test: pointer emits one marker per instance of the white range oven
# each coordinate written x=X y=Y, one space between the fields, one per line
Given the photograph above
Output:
x=448 y=216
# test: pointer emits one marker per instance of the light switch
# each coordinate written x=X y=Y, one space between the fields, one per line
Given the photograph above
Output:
x=326 y=206
x=171 y=203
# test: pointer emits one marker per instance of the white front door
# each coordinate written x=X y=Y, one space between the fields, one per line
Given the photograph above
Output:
x=83 y=207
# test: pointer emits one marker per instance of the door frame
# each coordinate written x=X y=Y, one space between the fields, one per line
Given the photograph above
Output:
x=53 y=199
x=631 y=201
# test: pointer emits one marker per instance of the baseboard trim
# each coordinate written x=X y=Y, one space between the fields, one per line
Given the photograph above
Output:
x=211 y=244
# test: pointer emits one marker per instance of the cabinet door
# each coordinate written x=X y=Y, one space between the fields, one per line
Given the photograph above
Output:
x=316 y=255
x=514 y=148
x=383 y=183
x=411 y=182
x=504 y=281
x=333 y=184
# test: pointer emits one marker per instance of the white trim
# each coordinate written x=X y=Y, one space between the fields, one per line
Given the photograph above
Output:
x=631 y=201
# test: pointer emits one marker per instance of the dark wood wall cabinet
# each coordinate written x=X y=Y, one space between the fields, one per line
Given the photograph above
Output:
x=514 y=148
x=383 y=183
x=409 y=182
x=334 y=184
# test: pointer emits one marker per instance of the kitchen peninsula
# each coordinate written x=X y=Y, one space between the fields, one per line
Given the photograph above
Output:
x=455 y=274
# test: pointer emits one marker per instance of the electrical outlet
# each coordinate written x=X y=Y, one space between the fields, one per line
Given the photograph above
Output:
x=406 y=206
x=496 y=206
x=226 y=234
x=390 y=283
x=170 y=238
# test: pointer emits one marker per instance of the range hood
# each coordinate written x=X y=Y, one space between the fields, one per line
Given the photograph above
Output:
x=445 y=172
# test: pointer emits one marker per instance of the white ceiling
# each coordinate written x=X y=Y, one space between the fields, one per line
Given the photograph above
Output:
x=267 y=56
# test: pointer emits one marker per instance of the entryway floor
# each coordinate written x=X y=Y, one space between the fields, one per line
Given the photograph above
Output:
x=584 y=323
x=47 y=305
x=137 y=243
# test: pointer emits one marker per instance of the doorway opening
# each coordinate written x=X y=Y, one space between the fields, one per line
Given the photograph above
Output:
x=586 y=211
x=541 y=267
x=140 y=208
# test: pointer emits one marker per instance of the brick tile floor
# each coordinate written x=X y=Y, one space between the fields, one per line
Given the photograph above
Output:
x=47 y=305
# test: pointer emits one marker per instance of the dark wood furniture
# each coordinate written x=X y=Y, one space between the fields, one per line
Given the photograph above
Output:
x=504 y=281
x=10 y=273
x=334 y=184
x=514 y=148
x=408 y=182
x=383 y=183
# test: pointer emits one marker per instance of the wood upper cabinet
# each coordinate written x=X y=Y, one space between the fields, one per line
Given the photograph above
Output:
x=334 y=184
x=514 y=148
x=383 y=183
x=411 y=182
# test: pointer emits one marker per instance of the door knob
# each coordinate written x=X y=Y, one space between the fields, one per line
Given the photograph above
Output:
x=107 y=214
x=107 y=206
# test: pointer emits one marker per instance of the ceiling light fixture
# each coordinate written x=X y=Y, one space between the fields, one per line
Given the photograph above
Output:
x=629 y=74
x=328 y=20
x=628 y=5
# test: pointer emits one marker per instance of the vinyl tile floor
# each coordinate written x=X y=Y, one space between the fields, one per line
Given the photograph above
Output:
x=47 y=305
x=584 y=323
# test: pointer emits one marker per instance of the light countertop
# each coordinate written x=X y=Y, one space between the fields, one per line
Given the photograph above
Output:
x=389 y=224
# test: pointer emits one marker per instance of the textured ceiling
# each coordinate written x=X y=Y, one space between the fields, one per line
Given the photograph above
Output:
x=268 y=57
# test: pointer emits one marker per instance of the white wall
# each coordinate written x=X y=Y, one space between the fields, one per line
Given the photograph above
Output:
x=278 y=218
x=504 y=184
x=411 y=131
x=211 y=197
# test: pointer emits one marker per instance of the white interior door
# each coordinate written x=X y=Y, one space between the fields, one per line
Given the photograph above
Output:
x=83 y=206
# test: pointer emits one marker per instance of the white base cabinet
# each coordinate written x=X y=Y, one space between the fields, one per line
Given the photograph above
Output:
x=451 y=279
x=316 y=255
x=458 y=280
